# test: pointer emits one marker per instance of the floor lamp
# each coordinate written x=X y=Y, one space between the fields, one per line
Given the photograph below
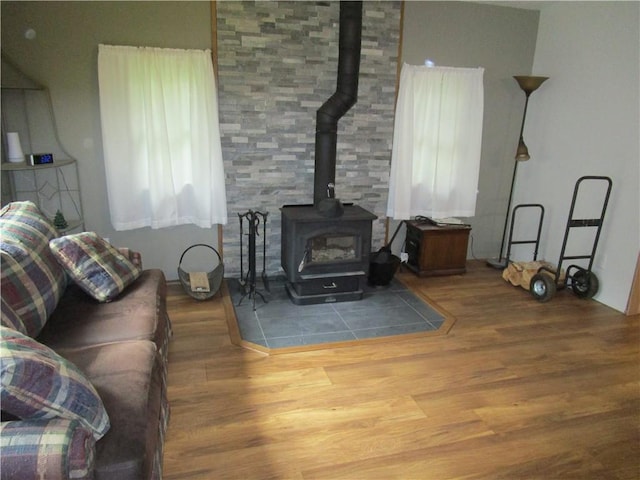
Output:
x=529 y=85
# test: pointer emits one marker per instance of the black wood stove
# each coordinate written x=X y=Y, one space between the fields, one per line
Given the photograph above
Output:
x=326 y=246
x=325 y=259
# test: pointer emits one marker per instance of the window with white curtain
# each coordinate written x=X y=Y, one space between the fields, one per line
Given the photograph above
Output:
x=161 y=137
x=437 y=139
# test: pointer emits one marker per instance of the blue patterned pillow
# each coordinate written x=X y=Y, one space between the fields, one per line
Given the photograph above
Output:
x=95 y=265
x=37 y=383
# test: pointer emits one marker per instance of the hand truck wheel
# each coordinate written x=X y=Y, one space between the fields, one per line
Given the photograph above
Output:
x=542 y=287
x=584 y=284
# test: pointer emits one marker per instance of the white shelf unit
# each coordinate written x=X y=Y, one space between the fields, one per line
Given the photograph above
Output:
x=27 y=110
x=53 y=187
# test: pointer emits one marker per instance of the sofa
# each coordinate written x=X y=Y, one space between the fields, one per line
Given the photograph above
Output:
x=85 y=336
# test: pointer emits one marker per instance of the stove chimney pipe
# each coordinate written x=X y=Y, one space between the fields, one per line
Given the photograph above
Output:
x=335 y=107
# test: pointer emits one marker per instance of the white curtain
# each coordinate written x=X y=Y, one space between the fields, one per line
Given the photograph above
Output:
x=161 y=137
x=437 y=139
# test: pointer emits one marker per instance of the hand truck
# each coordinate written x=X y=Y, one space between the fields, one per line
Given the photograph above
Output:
x=583 y=281
x=534 y=241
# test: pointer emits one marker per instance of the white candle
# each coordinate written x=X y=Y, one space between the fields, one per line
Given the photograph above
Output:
x=14 y=149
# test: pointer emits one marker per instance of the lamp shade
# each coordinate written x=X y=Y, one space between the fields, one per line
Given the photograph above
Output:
x=522 y=153
x=529 y=83
x=14 y=149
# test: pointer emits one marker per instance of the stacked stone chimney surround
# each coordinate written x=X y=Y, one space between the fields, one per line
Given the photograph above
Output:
x=277 y=64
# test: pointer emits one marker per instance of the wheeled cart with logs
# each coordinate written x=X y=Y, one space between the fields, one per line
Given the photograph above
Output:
x=582 y=281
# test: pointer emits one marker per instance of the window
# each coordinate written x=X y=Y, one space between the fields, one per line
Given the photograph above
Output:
x=161 y=139
x=437 y=140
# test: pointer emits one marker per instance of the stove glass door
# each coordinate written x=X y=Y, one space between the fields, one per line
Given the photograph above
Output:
x=333 y=248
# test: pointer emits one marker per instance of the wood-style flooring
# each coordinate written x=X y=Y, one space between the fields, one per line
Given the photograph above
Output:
x=516 y=390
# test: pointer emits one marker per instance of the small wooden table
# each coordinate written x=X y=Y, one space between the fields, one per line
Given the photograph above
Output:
x=436 y=250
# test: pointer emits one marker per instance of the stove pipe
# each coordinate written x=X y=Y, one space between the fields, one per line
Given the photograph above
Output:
x=335 y=107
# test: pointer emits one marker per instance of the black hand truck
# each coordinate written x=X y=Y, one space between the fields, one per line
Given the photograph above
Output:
x=583 y=281
x=534 y=241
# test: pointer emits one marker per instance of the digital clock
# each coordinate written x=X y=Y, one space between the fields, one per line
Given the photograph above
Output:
x=41 y=158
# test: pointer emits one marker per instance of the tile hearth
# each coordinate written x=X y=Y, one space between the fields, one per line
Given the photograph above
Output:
x=279 y=323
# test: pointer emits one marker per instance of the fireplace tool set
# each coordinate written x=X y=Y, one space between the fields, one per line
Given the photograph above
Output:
x=248 y=280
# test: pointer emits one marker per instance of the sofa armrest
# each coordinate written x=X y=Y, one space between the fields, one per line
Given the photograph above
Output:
x=52 y=449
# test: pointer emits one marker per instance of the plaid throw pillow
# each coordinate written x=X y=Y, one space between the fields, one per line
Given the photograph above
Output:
x=32 y=280
x=11 y=319
x=55 y=448
x=95 y=265
x=37 y=383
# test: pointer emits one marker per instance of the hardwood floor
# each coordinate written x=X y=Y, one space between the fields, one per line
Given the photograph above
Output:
x=517 y=390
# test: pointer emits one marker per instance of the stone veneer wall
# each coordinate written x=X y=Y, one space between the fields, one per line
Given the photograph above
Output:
x=277 y=64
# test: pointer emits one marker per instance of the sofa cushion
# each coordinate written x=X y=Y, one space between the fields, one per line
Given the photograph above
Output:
x=127 y=377
x=52 y=449
x=139 y=314
x=94 y=264
x=32 y=280
x=37 y=383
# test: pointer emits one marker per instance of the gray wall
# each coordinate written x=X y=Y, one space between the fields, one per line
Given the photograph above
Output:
x=587 y=122
x=582 y=46
x=277 y=65
x=502 y=40
x=63 y=56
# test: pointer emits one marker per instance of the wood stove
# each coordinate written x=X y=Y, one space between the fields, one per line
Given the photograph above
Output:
x=325 y=259
x=326 y=246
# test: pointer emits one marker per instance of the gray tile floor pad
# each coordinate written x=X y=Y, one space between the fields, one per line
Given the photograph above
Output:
x=279 y=323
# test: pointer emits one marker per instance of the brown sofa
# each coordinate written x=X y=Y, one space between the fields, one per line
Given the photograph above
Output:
x=120 y=346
